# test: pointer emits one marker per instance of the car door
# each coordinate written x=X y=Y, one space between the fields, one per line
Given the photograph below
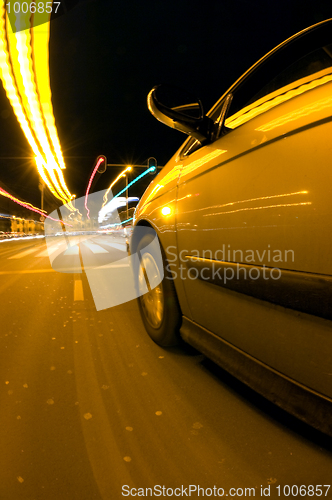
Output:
x=254 y=217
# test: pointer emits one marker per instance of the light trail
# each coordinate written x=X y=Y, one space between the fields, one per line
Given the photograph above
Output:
x=151 y=169
x=89 y=185
x=128 y=169
x=24 y=70
x=28 y=206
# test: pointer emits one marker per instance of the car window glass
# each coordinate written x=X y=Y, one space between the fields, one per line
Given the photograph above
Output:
x=313 y=68
x=305 y=66
x=279 y=96
x=304 y=59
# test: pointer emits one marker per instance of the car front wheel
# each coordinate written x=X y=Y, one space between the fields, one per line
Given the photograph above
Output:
x=159 y=307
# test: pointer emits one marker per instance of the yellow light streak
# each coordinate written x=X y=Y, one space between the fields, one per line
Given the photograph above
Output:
x=122 y=174
x=190 y=167
x=40 y=43
x=24 y=70
x=260 y=208
x=298 y=113
x=231 y=203
x=9 y=84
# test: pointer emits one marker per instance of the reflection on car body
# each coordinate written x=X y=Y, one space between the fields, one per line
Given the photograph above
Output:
x=243 y=212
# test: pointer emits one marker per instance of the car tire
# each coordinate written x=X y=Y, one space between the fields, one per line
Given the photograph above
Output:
x=159 y=308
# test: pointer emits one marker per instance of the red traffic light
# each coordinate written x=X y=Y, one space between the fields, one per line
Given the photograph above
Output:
x=102 y=164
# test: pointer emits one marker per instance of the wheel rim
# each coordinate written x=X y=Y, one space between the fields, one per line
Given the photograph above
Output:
x=153 y=301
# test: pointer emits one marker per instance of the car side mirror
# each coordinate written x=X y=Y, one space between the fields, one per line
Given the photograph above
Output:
x=180 y=110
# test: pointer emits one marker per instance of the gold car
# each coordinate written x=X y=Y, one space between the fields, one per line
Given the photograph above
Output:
x=243 y=214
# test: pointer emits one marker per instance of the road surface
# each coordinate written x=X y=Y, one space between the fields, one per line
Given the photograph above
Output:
x=91 y=408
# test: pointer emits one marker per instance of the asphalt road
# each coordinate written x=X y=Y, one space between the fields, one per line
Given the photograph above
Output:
x=91 y=407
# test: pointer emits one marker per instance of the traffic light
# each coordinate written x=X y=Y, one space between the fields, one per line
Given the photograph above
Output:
x=102 y=161
x=152 y=165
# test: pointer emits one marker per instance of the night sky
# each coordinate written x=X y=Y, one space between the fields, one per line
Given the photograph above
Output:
x=106 y=55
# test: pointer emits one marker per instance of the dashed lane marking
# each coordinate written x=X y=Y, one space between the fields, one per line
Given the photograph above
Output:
x=78 y=288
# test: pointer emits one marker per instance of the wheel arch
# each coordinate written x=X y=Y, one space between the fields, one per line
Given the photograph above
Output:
x=167 y=240
x=135 y=237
